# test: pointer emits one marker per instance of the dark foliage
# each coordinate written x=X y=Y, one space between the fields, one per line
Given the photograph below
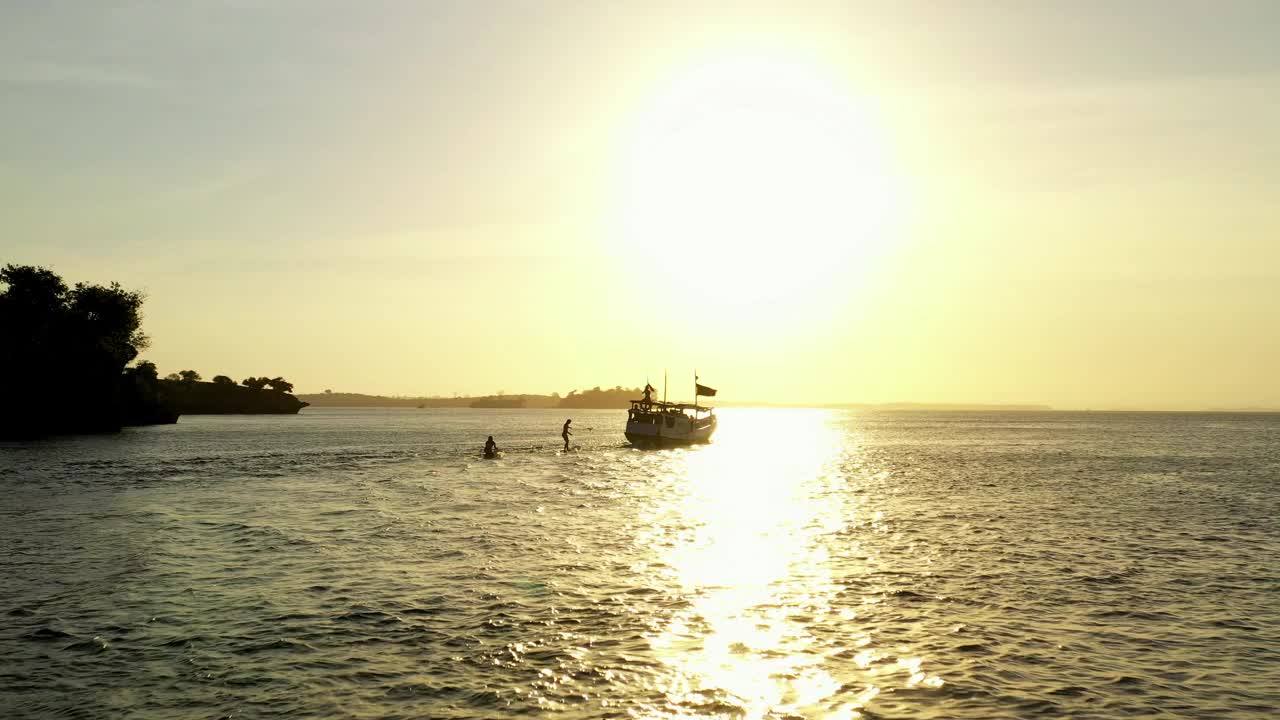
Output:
x=144 y=399
x=223 y=380
x=215 y=398
x=146 y=369
x=69 y=347
x=276 y=383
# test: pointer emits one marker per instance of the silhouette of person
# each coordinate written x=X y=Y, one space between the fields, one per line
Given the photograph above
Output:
x=565 y=433
x=490 y=447
x=648 y=394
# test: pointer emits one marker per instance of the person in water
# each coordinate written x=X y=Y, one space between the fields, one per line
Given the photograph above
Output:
x=565 y=433
x=490 y=447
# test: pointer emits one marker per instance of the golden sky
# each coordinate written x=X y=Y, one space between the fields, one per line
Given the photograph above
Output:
x=1062 y=203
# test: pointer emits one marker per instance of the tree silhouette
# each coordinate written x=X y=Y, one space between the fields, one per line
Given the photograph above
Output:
x=254 y=382
x=146 y=369
x=280 y=384
x=189 y=376
x=68 y=347
x=223 y=380
x=143 y=400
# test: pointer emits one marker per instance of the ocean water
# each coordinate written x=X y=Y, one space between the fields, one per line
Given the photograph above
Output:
x=808 y=564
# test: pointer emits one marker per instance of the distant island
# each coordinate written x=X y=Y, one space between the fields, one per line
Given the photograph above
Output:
x=344 y=399
x=500 y=401
x=615 y=398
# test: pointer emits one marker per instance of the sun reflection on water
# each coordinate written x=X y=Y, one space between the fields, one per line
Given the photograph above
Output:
x=743 y=537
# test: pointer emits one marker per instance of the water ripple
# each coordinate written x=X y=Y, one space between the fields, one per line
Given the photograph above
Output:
x=805 y=565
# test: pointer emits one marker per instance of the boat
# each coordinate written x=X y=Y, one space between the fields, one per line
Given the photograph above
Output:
x=658 y=423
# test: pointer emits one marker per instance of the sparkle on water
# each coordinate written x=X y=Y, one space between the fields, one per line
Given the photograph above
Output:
x=741 y=532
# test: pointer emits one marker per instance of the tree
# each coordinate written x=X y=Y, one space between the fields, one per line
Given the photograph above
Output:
x=189 y=376
x=280 y=384
x=143 y=400
x=70 y=347
x=113 y=317
x=173 y=376
x=146 y=370
x=223 y=380
x=328 y=392
x=254 y=382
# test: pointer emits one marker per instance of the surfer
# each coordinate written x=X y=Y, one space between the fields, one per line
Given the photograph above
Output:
x=490 y=448
x=565 y=433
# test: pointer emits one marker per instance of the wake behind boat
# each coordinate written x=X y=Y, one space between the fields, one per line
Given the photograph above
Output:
x=657 y=423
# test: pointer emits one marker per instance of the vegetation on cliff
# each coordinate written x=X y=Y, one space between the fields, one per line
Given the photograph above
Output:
x=258 y=383
x=185 y=394
x=64 y=350
x=143 y=397
x=222 y=398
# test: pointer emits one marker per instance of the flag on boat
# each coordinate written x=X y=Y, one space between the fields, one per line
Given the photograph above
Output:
x=704 y=391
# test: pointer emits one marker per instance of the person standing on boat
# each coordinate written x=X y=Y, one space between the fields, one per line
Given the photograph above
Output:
x=648 y=394
x=564 y=433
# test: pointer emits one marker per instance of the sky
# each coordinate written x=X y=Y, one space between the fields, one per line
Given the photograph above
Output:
x=1067 y=203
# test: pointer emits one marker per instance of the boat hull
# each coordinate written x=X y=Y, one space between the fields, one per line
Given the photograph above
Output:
x=661 y=441
x=668 y=431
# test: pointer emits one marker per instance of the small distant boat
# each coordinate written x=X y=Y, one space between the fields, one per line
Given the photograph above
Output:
x=657 y=423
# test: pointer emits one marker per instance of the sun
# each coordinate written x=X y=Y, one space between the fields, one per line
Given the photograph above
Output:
x=756 y=180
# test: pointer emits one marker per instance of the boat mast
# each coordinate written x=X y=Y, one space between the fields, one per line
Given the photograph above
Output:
x=695 y=392
x=664 y=384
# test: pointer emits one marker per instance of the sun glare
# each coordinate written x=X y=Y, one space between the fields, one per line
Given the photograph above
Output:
x=757 y=181
x=751 y=562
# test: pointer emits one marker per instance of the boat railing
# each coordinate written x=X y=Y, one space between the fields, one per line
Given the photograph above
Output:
x=669 y=408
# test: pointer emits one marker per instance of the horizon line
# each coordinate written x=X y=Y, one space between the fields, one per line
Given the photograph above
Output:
x=857 y=404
